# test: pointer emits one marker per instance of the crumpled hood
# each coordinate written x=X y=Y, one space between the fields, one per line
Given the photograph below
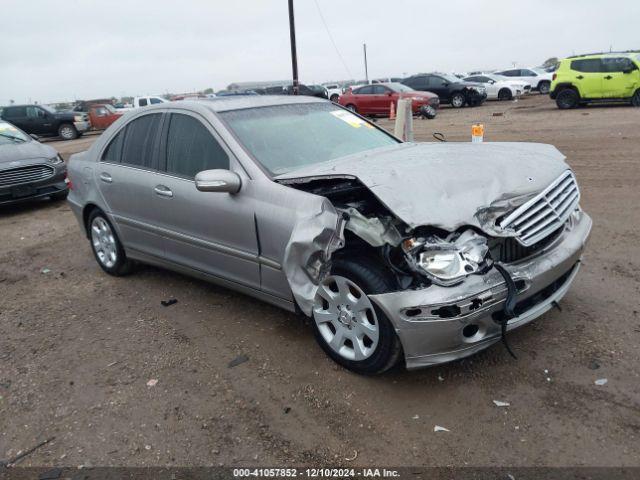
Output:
x=449 y=185
x=24 y=153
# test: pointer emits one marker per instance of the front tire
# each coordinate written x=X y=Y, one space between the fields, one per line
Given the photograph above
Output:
x=351 y=330
x=335 y=97
x=543 y=88
x=567 y=98
x=106 y=245
x=457 y=100
x=635 y=100
x=352 y=107
x=67 y=131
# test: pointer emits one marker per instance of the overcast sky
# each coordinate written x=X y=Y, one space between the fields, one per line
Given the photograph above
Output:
x=64 y=50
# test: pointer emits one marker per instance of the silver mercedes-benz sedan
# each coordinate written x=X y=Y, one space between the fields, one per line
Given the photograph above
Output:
x=422 y=252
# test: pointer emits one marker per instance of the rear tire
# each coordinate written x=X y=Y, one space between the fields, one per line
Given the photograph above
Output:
x=543 y=87
x=363 y=278
x=458 y=100
x=505 y=94
x=567 y=98
x=106 y=245
x=635 y=100
x=67 y=131
x=335 y=97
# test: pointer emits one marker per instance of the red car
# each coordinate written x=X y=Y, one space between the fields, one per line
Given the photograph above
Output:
x=377 y=99
x=102 y=115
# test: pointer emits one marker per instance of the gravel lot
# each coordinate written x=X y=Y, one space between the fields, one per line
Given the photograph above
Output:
x=78 y=347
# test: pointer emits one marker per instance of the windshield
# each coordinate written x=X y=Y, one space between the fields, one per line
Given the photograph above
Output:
x=10 y=134
x=398 y=87
x=288 y=137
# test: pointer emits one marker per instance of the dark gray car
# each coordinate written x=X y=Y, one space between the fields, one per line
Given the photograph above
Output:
x=28 y=169
x=422 y=252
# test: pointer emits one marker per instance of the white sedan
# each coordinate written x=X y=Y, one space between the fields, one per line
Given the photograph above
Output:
x=539 y=79
x=499 y=87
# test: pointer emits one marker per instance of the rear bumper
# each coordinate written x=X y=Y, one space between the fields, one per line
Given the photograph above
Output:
x=431 y=334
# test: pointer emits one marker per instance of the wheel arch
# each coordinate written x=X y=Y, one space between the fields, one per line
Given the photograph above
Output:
x=88 y=209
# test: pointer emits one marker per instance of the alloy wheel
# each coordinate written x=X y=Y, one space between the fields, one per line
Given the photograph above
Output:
x=457 y=101
x=67 y=133
x=346 y=318
x=104 y=242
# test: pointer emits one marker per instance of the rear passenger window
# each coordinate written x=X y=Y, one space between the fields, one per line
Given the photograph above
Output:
x=142 y=102
x=114 y=149
x=139 y=141
x=191 y=148
x=587 y=65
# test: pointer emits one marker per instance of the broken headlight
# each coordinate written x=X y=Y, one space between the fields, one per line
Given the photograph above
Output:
x=447 y=261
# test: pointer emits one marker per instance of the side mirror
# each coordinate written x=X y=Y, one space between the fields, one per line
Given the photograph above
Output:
x=628 y=70
x=34 y=136
x=389 y=94
x=218 y=181
x=491 y=82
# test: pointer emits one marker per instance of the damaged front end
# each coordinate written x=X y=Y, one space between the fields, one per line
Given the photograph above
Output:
x=457 y=290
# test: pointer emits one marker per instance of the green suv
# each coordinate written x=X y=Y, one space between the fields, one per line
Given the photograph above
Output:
x=602 y=77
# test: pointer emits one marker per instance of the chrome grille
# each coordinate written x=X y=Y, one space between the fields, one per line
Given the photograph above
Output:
x=28 y=174
x=546 y=212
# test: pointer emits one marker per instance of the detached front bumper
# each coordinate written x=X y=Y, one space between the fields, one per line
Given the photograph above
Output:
x=441 y=324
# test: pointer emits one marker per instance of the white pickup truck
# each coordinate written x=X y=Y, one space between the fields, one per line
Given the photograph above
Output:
x=145 y=101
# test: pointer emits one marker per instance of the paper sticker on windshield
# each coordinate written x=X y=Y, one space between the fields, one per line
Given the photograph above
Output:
x=350 y=118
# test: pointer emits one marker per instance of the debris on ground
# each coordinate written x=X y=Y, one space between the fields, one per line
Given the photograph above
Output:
x=168 y=303
x=438 y=428
x=416 y=417
x=287 y=409
x=594 y=365
x=45 y=270
x=499 y=403
x=152 y=383
x=601 y=381
x=351 y=459
x=240 y=359
x=497 y=114
x=21 y=455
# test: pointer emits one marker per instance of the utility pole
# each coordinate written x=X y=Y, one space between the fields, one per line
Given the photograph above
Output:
x=294 y=55
x=366 y=68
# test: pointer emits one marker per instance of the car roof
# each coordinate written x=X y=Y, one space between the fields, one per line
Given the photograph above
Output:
x=626 y=53
x=240 y=102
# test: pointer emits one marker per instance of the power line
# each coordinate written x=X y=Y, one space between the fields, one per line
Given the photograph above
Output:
x=326 y=27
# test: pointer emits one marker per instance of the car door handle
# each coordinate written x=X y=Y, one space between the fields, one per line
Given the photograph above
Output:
x=163 y=191
x=579 y=77
x=608 y=77
x=106 y=178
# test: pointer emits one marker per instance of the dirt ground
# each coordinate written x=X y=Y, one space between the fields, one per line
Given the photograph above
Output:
x=77 y=347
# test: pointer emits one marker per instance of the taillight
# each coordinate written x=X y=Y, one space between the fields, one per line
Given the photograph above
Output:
x=554 y=76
